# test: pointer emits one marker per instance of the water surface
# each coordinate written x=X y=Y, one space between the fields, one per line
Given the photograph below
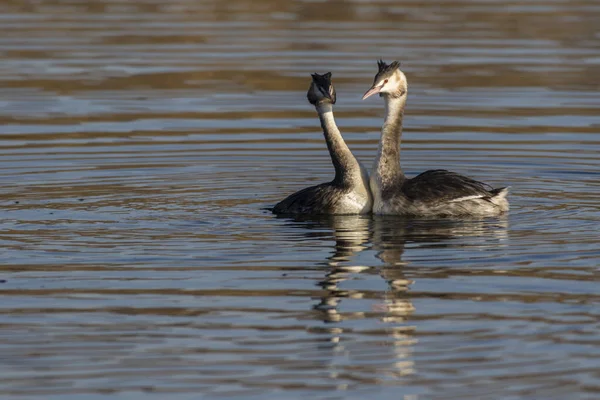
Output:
x=142 y=142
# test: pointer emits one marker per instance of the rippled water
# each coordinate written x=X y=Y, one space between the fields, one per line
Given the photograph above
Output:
x=142 y=141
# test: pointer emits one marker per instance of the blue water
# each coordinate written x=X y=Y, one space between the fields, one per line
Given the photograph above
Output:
x=142 y=142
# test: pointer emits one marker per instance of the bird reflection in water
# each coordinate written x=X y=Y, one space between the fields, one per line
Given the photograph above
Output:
x=391 y=237
x=387 y=238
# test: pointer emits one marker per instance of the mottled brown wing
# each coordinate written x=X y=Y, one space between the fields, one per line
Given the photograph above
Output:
x=320 y=199
x=438 y=186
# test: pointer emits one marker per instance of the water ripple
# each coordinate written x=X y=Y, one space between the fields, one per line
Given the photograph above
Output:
x=143 y=142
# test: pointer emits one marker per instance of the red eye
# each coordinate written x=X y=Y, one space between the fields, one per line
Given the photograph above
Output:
x=384 y=82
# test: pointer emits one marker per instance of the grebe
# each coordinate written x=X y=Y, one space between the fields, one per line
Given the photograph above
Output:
x=435 y=193
x=348 y=192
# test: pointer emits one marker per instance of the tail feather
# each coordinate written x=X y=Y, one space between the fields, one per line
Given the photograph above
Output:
x=501 y=193
x=499 y=198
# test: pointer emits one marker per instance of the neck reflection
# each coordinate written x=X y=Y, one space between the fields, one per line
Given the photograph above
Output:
x=367 y=323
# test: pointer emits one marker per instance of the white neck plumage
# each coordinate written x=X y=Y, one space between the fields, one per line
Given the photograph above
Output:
x=387 y=164
x=345 y=164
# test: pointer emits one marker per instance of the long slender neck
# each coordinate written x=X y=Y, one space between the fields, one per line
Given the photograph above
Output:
x=345 y=164
x=387 y=163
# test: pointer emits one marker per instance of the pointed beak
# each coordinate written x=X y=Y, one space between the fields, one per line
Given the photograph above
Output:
x=372 y=91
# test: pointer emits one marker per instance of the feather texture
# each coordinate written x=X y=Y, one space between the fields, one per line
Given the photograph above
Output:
x=435 y=193
x=349 y=192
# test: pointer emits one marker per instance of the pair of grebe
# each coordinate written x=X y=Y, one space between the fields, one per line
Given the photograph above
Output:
x=434 y=193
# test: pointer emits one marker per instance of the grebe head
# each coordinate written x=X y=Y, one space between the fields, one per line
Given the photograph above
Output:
x=389 y=81
x=321 y=90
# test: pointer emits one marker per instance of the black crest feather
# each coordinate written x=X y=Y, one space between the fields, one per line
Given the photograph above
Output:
x=322 y=80
x=383 y=67
x=323 y=83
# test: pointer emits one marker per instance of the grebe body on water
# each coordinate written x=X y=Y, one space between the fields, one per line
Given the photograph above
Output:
x=435 y=193
x=348 y=192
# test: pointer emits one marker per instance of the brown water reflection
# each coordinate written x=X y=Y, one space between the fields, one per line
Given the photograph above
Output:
x=142 y=141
